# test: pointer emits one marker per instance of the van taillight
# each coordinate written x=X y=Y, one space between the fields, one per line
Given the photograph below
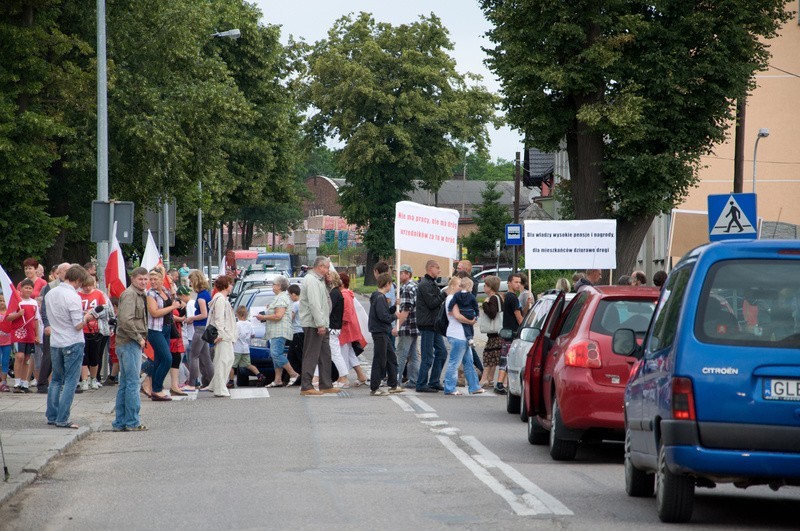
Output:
x=682 y=399
x=584 y=354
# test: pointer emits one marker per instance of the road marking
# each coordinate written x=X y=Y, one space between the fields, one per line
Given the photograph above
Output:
x=427 y=415
x=402 y=403
x=237 y=394
x=553 y=505
x=435 y=422
x=421 y=404
x=522 y=509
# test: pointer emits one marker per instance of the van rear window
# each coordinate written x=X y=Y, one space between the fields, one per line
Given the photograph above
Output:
x=612 y=315
x=750 y=303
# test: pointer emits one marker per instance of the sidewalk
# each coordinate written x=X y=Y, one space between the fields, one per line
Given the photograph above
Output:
x=29 y=444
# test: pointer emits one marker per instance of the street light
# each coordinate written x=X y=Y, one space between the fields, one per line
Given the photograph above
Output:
x=762 y=133
x=229 y=34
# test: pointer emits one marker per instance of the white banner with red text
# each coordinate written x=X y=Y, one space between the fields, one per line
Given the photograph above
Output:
x=425 y=229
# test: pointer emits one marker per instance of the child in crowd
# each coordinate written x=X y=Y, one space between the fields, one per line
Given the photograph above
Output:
x=241 y=348
x=27 y=337
x=295 y=354
x=5 y=349
x=467 y=305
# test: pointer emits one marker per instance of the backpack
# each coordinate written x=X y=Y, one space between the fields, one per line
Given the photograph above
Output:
x=442 y=321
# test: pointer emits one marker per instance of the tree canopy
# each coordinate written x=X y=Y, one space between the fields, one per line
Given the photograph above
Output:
x=183 y=107
x=639 y=90
x=393 y=97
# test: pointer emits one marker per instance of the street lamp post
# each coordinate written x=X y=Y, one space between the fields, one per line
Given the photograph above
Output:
x=762 y=133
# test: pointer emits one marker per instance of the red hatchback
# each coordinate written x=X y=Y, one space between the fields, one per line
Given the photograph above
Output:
x=574 y=383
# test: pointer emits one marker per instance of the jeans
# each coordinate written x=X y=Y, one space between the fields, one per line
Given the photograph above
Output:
x=407 y=353
x=433 y=358
x=460 y=354
x=162 y=357
x=128 y=404
x=276 y=351
x=66 y=372
x=5 y=357
x=476 y=360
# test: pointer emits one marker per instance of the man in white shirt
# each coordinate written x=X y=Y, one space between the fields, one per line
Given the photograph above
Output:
x=67 y=319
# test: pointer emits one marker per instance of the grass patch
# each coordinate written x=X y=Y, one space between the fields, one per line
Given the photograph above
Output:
x=357 y=285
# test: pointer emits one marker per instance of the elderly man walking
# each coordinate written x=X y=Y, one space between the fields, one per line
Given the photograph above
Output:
x=131 y=337
x=315 y=309
x=67 y=320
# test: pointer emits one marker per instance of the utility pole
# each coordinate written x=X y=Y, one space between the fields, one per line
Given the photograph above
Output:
x=738 y=158
x=516 y=209
x=102 y=135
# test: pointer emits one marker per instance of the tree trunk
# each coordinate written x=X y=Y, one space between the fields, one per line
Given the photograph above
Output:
x=369 y=278
x=630 y=235
x=231 y=243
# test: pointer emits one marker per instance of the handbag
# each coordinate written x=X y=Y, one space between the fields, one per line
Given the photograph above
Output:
x=492 y=326
x=210 y=334
x=442 y=321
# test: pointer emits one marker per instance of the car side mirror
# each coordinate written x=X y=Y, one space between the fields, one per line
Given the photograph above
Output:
x=624 y=342
x=529 y=334
x=506 y=334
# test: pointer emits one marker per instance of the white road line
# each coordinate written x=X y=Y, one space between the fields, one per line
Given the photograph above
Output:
x=446 y=431
x=427 y=416
x=489 y=480
x=434 y=422
x=553 y=505
x=402 y=403
x=421 y=404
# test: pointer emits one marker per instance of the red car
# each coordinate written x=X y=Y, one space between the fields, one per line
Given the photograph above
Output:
x=574 y=383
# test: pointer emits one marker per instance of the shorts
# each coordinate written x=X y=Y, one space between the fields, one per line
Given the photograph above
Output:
x=241 y=360
x=503 y=365
x=26 y=348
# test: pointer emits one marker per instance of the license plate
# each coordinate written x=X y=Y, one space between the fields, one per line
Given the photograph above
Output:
x=778 y=389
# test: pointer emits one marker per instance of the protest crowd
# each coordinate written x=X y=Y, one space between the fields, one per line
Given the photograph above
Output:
x=170 y=333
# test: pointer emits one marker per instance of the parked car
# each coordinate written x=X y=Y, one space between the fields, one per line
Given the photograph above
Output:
x=714 y=395
x=526 y=334
x=256 y=300
x=503 y=273
x=574 y=383
x=255 y=276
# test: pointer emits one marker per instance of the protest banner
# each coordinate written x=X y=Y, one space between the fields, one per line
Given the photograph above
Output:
x=425 y=229
x=578 y=244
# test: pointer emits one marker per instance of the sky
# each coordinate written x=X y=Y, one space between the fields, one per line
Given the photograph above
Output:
x=311 y=20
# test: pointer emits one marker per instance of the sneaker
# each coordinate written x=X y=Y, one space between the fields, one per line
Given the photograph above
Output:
x=26 y=389
x=397 y=389
x=229 y=385
x=18 y=389
x=93 y=384
x=98 y=382
x=500 y=389
x=84 y=385
x=34 y=383
x=260 y=380
x=79 y=389
x=110 y=381
x=378 y=392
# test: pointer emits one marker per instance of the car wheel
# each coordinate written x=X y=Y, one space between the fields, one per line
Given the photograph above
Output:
x=560 y=449
x=242 y=378
x=674 y=493
x=638 y=484
x=512 y=402
x=523 y=407
x=536 y=434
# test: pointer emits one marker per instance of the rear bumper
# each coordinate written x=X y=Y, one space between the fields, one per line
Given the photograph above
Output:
x=585 y=404
x=731 y=464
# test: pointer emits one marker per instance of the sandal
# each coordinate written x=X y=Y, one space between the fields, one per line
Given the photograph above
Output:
x=454 y=393
x=177 y=392
x=145 y=393
x=70 y=426
x=273 y=384
x=292 y=380
x=140 y=427
x=478 y=392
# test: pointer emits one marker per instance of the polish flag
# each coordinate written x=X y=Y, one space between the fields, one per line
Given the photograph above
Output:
x=13 y=299
x=152 y=258
x=115 y=268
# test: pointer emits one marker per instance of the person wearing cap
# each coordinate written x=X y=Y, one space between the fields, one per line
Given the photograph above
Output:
x=407 y=332
x=303 y=270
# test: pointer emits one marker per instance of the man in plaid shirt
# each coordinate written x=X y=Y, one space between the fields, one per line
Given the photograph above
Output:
x=407 y=354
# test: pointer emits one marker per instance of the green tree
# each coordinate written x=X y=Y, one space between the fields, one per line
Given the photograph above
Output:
x=639 y=90
x=480 y=167
x=392 y=96
x=491 y=219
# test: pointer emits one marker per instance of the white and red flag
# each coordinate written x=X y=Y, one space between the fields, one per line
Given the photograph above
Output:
x=13 y=299
x=115 y=268
x=152 y=258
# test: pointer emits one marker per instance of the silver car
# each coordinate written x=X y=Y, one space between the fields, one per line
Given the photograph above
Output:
x=518 y=352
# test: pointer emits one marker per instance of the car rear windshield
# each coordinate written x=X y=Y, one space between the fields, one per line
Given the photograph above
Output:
x=750 y=302
x=611 y=315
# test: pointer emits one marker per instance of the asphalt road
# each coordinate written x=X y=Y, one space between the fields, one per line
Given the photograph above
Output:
x=352 y=460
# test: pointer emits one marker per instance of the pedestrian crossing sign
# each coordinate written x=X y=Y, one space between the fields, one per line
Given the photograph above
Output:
x=732 y=217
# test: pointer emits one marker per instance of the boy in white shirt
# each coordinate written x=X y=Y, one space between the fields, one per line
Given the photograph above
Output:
x=241 y=349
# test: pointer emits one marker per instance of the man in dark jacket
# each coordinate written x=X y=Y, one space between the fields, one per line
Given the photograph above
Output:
x=429 y=300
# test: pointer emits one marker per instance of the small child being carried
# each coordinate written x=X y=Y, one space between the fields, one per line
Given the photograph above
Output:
x=467 y=305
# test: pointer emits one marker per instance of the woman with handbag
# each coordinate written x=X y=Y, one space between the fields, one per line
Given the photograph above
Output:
x=199 y=354
x=491 y=321
x=222 y=318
